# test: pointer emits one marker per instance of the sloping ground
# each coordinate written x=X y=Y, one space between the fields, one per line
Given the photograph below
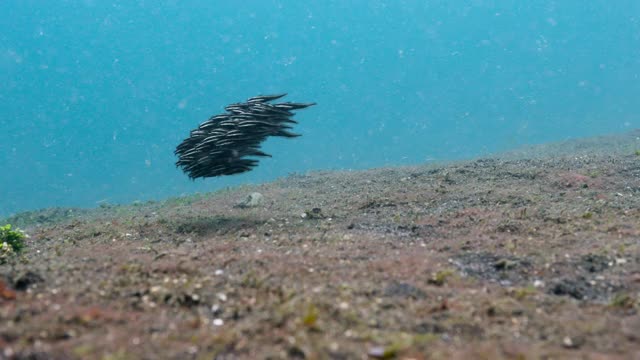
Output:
x=521 y=257
x=615 y=144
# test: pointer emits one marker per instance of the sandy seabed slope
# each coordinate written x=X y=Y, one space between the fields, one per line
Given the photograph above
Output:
x=530 y=254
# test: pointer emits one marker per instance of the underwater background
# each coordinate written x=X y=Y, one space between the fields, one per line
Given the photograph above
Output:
x=96 y=94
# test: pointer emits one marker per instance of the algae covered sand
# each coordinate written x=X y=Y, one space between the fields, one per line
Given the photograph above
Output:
x=533 y=254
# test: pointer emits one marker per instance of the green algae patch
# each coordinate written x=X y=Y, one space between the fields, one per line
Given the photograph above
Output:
x=11 y=242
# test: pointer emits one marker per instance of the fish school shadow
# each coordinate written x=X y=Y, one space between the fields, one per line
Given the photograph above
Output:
x=217 y=225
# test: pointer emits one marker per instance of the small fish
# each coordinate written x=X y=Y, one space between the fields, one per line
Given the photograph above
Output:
x=294 y=106
x=264 y=98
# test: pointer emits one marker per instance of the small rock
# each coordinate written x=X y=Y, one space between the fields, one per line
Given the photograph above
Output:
x=252 y=200
x=594 y=263
x=572 y=342
x=5 y=292
x=295 y=352
x=315 y=213
x=568 y=287
x=26 y=280
x=505 y=264
x=376 y=352
x=567 y=342
x=157 y=289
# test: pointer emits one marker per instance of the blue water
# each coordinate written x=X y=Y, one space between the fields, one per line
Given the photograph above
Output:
x=96 y=94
